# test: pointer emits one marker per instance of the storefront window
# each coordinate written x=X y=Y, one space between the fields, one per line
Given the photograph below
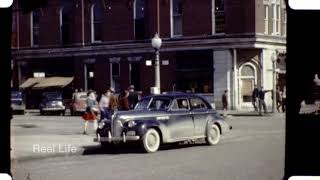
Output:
x=194 y=77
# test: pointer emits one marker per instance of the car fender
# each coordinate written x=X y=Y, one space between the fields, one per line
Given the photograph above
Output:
x=144 y=125
x=222 y=124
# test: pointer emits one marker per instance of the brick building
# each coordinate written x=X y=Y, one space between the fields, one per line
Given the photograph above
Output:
x=208 y=45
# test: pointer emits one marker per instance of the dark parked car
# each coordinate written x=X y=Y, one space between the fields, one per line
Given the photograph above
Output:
x=17 y=102
x=52 y=102
x=166 y=118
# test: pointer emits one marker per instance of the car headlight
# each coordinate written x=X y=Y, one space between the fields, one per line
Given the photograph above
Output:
x=59 y=103
x=101 y=125
x=131 y=124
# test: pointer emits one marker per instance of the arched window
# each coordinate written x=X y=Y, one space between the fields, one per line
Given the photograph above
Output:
x=35 y=26
x=248 y=80
x=96 y=22
x=65 y=19
x=247 y=71
x=139 y=24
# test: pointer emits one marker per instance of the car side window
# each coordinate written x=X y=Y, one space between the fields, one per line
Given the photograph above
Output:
x=197 y=103
x=180 y=104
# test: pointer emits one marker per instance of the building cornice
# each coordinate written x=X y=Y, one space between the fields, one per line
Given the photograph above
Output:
x=129 y=47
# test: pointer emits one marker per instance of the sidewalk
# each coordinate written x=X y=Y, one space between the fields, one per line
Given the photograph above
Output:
x=247 y=113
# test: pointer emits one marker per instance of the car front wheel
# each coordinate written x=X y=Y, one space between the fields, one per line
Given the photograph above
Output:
x=213 y=135
x=151 y=141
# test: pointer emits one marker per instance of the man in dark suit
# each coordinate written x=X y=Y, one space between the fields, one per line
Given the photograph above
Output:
x=261 y=96
x=133 y=97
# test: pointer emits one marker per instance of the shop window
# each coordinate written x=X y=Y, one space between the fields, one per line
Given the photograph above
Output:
x=194 y=77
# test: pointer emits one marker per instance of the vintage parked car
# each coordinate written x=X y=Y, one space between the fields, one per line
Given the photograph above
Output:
x=17 y=102
x=165 y=118
x=52 y=102
x=78 y=104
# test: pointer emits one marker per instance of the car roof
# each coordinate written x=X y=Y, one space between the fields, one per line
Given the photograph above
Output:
x=176 y=95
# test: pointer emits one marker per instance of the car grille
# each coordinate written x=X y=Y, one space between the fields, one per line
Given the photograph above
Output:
x=116 y=128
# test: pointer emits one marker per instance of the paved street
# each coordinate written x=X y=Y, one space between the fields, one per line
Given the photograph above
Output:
x=254 y=149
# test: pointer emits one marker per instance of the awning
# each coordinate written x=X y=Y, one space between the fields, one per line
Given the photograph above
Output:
x=30 y=82
x=40 y=83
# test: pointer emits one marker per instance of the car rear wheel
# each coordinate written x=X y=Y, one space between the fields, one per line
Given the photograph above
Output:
x=151 y=141
x=213 y=135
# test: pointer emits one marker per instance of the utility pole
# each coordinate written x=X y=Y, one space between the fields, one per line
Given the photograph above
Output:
x=158 y=17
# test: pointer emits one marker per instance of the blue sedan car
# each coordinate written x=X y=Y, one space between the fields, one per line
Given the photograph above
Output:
x=165 y=118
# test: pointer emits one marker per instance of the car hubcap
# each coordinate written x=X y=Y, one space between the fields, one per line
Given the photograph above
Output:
x=152 y=141
x=213 y=134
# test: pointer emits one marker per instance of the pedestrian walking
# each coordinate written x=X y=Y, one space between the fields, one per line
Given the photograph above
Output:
x=91 y=112
x=262 y=103
x=133 y=97
x=74 y=94
x=284 y=98
x=104 y=105
x=225 y=102
x=113 y=102
x=123 y=101
x=278 y=99
x=255 y=94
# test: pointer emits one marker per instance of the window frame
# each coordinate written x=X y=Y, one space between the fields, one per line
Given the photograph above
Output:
x=93 y=22
x=135 y=18
x=215 y=18
x=266 y=19
x=33 y=27
x=172 y=20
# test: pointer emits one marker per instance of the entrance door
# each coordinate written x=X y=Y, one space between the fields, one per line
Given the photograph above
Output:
x=135 y=74
x=248 y=79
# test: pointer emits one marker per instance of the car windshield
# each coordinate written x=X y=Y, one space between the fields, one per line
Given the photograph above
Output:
x=16 y=95
x=143 y=104
x=53 y=96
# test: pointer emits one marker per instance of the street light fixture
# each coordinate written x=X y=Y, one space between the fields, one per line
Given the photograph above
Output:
x=274 y=103
x=156 y=44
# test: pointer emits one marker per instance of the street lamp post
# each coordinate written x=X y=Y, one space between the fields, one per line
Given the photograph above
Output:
x=274 y=103
x=156 y=44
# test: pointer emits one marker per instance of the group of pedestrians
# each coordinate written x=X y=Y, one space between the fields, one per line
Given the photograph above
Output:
x=107 y=105
x=258 y=99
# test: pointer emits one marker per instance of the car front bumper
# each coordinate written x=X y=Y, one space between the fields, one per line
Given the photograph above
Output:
x=53 y=109
x=110 y=139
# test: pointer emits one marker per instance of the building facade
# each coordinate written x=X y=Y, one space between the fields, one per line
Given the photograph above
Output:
x=208 y=45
